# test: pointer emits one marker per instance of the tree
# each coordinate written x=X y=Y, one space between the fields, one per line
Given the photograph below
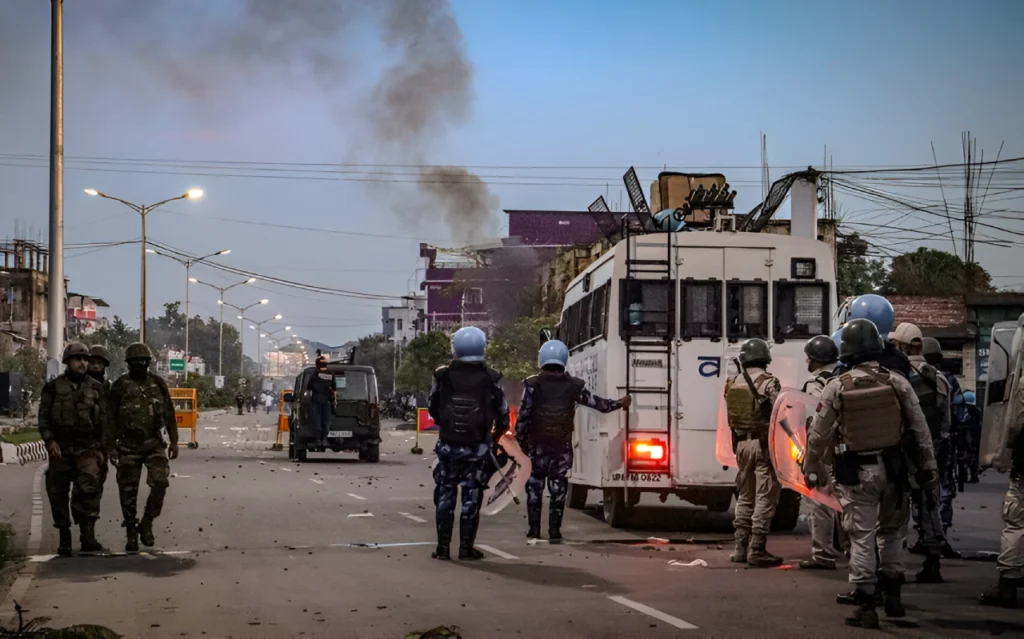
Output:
x=937 y=273
x=32 y=363
x=116 y=338
x=420 y=358
x=858 y=273
x=512 y=348
x=376 y=351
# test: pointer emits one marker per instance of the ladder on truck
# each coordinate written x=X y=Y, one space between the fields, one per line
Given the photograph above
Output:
x=641 y=343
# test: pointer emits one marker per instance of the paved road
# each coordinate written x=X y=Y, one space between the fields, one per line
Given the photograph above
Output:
x=252 y=545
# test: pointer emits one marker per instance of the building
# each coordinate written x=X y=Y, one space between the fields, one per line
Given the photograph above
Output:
x=82 y=317
x=163 y=364
x=405 y=322
x=24 y=290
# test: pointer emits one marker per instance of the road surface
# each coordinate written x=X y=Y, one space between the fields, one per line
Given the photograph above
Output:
x=253 y=545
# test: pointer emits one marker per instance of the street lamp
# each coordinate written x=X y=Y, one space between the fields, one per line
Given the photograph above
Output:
x=143 y=210
x=221 y=303
x=241 y=348
x=187 y=263
x=259 y=343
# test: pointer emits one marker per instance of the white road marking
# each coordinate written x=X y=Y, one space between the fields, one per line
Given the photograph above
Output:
x=361 y=515
x=495 y=551
x=287 y=470
x=180 y=476
x=355 y=496
x=396 y=545
x=651 y=612
x=316 y=481
x=35 y=538
x=41 y=559
x=418 y=520
x=211 y=427
x=239 y=428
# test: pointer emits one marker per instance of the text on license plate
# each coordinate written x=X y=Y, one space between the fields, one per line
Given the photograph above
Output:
x=339 y=433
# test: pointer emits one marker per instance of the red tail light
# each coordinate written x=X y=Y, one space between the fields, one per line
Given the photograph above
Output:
x=648 y=455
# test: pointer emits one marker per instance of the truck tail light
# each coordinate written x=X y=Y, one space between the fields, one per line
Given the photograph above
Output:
x=649 y=455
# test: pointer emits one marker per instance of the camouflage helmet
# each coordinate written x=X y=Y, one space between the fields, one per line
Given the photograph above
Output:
x=100 y=351
x=138 y=350
x=931 y=350
x=860 y=337
x=75 y=349
x=755 y=352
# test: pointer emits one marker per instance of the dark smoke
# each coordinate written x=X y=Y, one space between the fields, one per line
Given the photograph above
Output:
x=464 y=200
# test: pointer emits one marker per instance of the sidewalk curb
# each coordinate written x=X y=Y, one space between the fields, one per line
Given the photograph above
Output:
x=22 y=453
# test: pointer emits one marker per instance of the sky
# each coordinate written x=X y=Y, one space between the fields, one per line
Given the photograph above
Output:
x=168 y=95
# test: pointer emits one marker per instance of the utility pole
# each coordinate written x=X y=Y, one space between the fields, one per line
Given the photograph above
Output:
x=55 y=300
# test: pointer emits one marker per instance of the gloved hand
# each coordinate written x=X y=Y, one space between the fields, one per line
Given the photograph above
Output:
x=626 y=402
x=53 y=448
x=172 y=451
x=115 y=459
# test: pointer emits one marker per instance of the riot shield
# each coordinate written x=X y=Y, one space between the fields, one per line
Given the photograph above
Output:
x=787 y=443
x=723 y=436
x=1001 y=397
x=509 y=481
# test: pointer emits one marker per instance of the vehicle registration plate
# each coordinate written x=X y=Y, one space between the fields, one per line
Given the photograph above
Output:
x=341 y=434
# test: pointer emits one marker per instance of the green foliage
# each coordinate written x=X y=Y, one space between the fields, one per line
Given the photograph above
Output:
x=420 y=358
x=209 y=396
x=116 y=338
x=932 y=272
x=376 y=351
x=858 y=273
x=512 y=348
x=32 y=363
x=21 y=436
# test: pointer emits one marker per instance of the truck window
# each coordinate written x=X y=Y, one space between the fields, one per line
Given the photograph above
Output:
x=746 y=310
x=801 y=310
x=647 y=307
x=352 y=386
x=701 y=309
x=599 y=312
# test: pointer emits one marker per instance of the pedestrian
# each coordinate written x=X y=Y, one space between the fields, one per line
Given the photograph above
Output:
x=239 y=401
x=141 y=409
x=544 y=430
x=268 y=402
x=971 y=439
x=749 y=398
x=933 y=395
x=465 y=402
x=822 y=359
x=322 y=398
x=72 y=420
x=860 y=423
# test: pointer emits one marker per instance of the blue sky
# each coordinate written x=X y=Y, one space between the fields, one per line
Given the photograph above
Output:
x=568 y=84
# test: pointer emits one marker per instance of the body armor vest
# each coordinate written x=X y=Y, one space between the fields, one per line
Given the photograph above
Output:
x=76 y=411
x=746 y=414
x=872 y=417
x=554 y=407
x=140 y=411
x=818 y=380
x=466 y=414
x=926 y=387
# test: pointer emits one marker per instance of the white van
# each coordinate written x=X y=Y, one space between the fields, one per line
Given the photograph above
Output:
x=660 y=317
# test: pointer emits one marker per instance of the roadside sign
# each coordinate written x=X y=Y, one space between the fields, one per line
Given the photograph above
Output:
x=218 y=381
x=176 y=365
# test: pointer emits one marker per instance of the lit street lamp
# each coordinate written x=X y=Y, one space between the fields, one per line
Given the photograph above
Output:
x=143 y=210
x=259 y=343
x=221 y=303
x=241 y=342
x=187 y=263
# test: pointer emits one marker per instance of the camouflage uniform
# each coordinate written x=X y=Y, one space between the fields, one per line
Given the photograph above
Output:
x=551 y=453
x=139 y=412
x=822 y=518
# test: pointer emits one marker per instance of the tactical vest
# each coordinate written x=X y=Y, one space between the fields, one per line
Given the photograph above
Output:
x=746 y=414
x=926 y=387
x=554 y=407
x=466 y=413
x=871 y=414
x=76 y=411
x=321 y=385
x=140 y=412
x=818 y=380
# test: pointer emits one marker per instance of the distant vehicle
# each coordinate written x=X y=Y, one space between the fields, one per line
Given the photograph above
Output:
x=355 y=424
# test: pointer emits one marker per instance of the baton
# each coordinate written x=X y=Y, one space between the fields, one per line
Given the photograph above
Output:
x=508 y=486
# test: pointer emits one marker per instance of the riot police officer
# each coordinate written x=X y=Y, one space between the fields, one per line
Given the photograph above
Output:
x=465 y=401
x=970 y=441
x=931 y=350
x=141 y=408
x=544 y=430
x=749 y=398
x=72 y=421
x=932 y=392
x=862 y=416
x=822 y=359
x=877 y=310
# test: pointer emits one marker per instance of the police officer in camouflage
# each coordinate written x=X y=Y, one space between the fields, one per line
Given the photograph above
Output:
x=99 y=361
x=465 y=401
x=544 y=430
x=749 y=398
x=140 y=408
x=72 y=420
x=862 y=417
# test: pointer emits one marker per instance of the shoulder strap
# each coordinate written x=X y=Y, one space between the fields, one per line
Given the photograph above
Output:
x=929 y=380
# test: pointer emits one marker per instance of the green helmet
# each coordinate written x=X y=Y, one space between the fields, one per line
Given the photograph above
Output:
x=755 y=351
x=138 y=350
x=931 y=350
x=100 y=352
x=75 y=349
x=860 y=336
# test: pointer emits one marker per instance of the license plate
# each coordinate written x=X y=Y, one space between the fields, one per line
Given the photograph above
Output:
x=340 y=434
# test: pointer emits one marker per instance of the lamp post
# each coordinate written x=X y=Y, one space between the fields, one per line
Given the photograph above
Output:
x=221 y=304
x=259 y=343
x=276 y=343
x=143 y=210
x=241 y=342
x=187 y=263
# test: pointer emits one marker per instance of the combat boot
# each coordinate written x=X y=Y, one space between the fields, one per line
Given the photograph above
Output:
x=851 y=598
x=533 y=519
x=146 y=532
x=891 y=589
x=866 y=616
x=555 y=528
x=131 y=543
x=444 y=540
x=1003 y=594
x=87 y=537
x=739 y=554
x=64 y=546
x=467 y=537
x=930 y=572
x=758 y=556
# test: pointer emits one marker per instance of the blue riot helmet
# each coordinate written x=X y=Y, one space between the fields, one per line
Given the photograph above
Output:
x=876 y=309
x=837 y=337
x=958 y=399
x=553 y=352
x=469 y=344
x=970 y=398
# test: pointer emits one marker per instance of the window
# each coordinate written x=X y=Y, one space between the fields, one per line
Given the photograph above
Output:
x=801 y=310
x=473 y=296
x=647 y=308
x=701 y=309
x=746 y=310
x=399 y=323
x=352 y=386
x=599 y=312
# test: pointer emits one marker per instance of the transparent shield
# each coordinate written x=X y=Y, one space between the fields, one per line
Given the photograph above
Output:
x=787 y=442
x=1001 y=392
x=509 y=481
x=723 y=436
